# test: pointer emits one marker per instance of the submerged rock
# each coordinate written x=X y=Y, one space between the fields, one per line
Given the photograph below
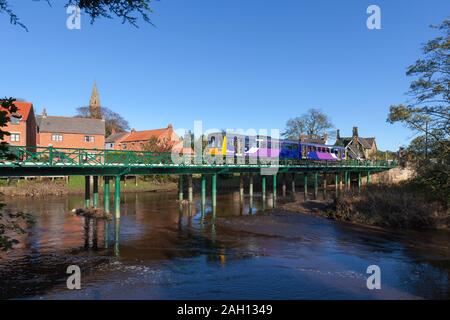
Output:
x=95 y=213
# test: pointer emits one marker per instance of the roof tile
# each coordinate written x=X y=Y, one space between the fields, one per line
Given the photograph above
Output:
x=55 y=124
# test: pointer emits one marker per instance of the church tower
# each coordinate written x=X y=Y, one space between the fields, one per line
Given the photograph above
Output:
x=94 y=103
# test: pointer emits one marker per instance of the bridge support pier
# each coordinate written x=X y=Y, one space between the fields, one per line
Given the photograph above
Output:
x=305 y=186
x=117 y=236
x=283 y=182
x=316 y=185
x=274 y=190
x=293 y=184
x=359 y=181
x=336 y=184
x=368 y=178
x=180 y=188
x=241 y=187
x=203 y=192
x=190 y=189
x=250 y=185
x=263 y=187
x=117 y=197
x=95 y=191
x=87 y=191
x=214 y=189
x=324 y=186
x=347 y=180
x=106 y=194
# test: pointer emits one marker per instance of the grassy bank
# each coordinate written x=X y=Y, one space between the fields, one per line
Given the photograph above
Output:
x=388 y=206
x=75 y=185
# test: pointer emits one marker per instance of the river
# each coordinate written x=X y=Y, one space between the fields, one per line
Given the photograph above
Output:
x=158 y=252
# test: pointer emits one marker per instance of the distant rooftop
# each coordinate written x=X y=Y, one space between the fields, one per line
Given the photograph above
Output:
x=163 y=133
x=55 y=124
x=115 y=137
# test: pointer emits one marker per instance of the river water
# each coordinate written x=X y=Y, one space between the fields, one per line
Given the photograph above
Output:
x=160 y=252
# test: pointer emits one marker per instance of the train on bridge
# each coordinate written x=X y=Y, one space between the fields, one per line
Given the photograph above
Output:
x=231 y=144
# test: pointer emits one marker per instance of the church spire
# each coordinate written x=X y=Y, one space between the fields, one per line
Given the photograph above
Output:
x=94 y=103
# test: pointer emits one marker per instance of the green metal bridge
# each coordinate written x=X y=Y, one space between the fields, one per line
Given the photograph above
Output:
x=51 y=161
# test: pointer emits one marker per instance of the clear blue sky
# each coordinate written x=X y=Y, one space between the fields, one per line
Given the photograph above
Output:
x=230 y=63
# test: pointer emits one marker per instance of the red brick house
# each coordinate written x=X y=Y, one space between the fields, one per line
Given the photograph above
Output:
x=23 y=128
x=69 y=132
x=137 y=140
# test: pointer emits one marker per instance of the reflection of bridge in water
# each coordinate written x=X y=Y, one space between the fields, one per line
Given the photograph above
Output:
x=50 y=161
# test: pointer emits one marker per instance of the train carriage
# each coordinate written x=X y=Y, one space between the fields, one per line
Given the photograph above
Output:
x=231 y=144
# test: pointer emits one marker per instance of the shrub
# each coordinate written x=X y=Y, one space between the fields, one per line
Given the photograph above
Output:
x=395 y=206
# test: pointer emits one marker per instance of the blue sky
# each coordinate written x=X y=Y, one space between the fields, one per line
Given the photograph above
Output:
x=230 y=63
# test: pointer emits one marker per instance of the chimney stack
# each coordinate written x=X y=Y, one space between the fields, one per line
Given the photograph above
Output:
x=355 y=131
x=338 y=134
x=44 y=113
x=113 y=130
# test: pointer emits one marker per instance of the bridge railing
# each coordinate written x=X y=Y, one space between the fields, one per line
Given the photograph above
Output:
x=54 y=156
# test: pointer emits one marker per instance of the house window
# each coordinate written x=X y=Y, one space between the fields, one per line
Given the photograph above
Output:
x=15 y=137
x=88 y=138
x=57 y=137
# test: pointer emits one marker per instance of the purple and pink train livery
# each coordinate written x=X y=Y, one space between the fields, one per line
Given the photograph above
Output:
x=266 y=147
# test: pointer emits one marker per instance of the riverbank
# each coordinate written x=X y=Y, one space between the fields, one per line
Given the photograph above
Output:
x=60 y=186
x=75 y=186
x=386 y=206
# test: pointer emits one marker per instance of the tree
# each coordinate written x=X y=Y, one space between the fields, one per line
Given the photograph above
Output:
x=7 y=109
x=113 y=120
x=428 y=114
x=158 y=145
x=9 y=222
x=313 y=123
x=127 y=10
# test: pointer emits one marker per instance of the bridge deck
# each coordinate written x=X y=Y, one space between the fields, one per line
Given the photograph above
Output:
x=49 y=161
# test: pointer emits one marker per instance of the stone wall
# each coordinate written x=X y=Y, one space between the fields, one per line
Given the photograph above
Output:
x=394 y=175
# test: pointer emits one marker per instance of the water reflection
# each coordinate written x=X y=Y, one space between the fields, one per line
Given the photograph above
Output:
x=116 y=237
x=235 y=247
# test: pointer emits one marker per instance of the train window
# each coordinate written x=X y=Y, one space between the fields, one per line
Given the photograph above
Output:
x=263 y=144
x=230 y=143
x=212 y=141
